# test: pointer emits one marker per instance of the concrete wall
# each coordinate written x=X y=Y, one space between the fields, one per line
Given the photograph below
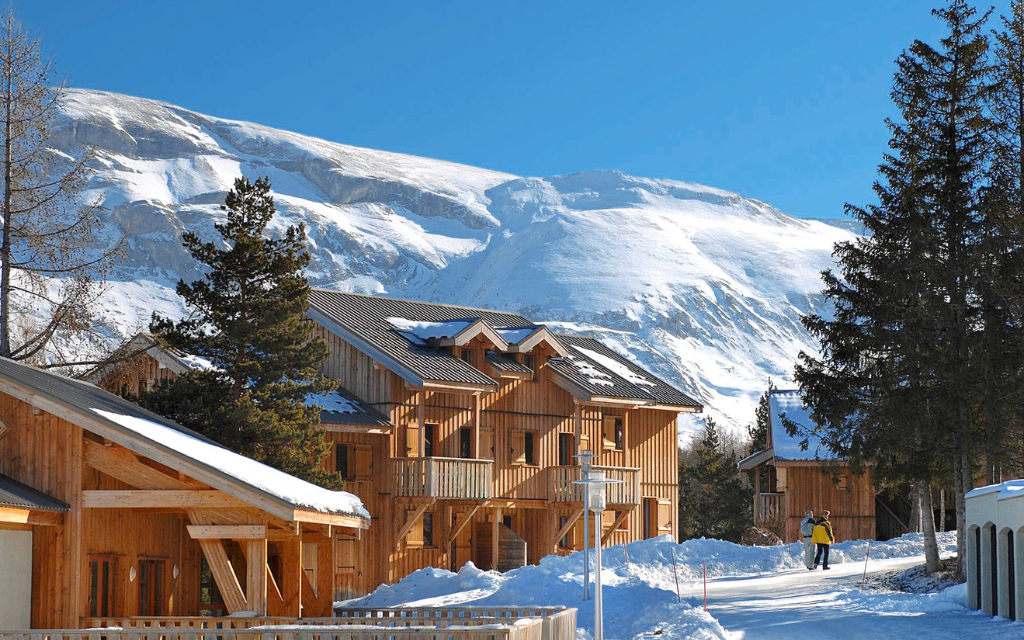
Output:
x=995 y=549
x=15 y=579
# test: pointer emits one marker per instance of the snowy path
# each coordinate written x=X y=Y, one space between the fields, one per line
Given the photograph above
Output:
x=801 y=604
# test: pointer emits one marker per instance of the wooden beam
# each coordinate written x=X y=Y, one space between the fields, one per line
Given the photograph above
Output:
x=13 y=515
x=461 y=524
x=407 y=527
x=256 y=576
x=336 y=520
x=224 y=575
x=156 y=499
x=421 y=399
x=123 y=465
x=227 y=531
x=606 y=536
x=494 y=539
x=568 y=525
x=476 y=426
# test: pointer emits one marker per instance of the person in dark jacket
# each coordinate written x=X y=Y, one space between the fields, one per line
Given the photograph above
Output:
x=824 y=537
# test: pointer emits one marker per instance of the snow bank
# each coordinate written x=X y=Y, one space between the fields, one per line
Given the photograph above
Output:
x=639 y=595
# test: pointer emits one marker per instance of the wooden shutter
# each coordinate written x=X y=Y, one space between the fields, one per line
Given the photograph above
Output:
x=486 y=444
x=518 y=449
x=415 y=536
x=584 y=445
x=664 y=516
x=609 y=432
x=412 y=441
x=364 y=462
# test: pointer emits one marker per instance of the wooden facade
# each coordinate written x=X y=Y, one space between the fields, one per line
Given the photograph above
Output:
x=148 y=532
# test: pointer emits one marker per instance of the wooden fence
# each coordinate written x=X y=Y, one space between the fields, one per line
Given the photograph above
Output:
x=445 y=478
x=769 y=507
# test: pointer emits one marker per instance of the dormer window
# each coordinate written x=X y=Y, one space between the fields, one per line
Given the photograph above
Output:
x=529 y=361
x=467 y=356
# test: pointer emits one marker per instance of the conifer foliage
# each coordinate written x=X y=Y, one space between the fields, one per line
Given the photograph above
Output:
x=246 y=319
x=713 y=502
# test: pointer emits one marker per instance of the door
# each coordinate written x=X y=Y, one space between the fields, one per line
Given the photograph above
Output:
x=465 y=442
x=151 y=587
x=566 y=449
x=650 y=517
x=429 y=435
x=345 y=572
x=16 y=588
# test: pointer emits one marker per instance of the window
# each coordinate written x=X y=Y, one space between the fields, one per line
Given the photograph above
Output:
x=102 y=576
x=4 y=429
x=210 y=601
x=524 y=447
x=151 y=587
x=614 y=436
x=428 y=529
x=650 y=515
x=429 y=432
x=341 y=461
x=465 y=442
x=528 y=361
x=466 y=355
x=566 y=449
x=564 y=543
x=842 y=482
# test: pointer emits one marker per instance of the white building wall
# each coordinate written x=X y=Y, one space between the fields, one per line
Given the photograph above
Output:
x=995 y=549
x=15 y=579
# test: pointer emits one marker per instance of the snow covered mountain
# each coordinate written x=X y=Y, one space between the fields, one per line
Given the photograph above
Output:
x=702 y=286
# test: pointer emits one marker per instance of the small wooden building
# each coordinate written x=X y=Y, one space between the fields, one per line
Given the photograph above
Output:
x=995 y=549
x=108 y=511
x=799 y=479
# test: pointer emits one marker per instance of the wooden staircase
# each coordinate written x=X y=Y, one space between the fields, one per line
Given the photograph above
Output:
x=511 y=548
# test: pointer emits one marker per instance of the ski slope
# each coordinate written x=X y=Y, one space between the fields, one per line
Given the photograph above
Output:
x=754 y=593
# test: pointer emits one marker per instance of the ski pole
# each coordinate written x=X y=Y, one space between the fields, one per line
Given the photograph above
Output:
x=864 y=580
x=704 y=565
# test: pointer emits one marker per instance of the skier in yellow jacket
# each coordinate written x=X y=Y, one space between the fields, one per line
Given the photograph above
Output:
x=823 y=536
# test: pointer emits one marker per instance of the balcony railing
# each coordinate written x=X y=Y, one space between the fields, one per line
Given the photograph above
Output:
x=769 y=507
x=562 y=486
x=444 y=478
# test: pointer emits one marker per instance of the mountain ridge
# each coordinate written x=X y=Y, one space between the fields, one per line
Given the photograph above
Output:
x=703 y=286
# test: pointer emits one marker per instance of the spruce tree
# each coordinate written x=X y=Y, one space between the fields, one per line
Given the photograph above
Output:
x=897 y=376
x=246 y=319
x=713 y=502
x=758 y=431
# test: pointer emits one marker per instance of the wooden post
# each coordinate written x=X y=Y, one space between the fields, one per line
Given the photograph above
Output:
x=578 y=423
x=476 y=426
x=256 y=576
x=494 y=539
x=625 y=439
x=422 y=422
x=291 y=576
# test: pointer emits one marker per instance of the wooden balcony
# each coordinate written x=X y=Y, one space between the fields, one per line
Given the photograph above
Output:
x=562 y=487
x=769 y=507
x=442 y=478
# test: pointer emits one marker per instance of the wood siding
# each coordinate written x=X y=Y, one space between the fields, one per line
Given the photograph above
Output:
x=851 y=502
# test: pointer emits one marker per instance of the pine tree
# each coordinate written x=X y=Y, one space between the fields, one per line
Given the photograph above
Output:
x=898 y=371
x=758 y=431
x=247 y=320
x=713 y=501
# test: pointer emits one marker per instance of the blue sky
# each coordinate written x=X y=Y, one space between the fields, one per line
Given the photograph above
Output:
x=782 y=101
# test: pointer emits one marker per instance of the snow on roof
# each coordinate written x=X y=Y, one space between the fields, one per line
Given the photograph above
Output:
x=333 y=402
x=515 y=335
x=420 y=331
x=300 y=493
x=594 y=375
x=1005 y=491
x=615 y=367
x=787 y=447
x=196 y=362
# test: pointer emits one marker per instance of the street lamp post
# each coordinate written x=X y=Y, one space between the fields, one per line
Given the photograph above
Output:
x=595 y=493
x=585 y=456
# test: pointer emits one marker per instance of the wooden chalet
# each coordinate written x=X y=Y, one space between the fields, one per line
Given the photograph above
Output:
x=801 y=479
x=458 y=427
x=109 y=512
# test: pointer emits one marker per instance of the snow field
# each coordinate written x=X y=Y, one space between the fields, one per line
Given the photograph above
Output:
x=639 y=596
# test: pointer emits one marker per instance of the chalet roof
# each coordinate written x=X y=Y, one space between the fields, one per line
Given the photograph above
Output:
x=601 y=372
x=342 y=407
x=169 y=357
x=403 y=335
x=790 y=403
x=153 y=436
x=21 y=496
x=506 y=363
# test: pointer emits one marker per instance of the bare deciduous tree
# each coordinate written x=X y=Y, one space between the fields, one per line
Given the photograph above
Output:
x=53 y=259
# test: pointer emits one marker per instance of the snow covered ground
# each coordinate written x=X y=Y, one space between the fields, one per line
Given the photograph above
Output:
x=754 y=592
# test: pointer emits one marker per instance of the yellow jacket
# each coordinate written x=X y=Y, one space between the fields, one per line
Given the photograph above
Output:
x=823 y=533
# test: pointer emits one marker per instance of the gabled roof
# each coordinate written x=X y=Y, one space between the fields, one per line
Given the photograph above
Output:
x=366 y=323
x=164 y=441
x=21 y=496
x=342 y=407
x=790 y=403
x=508 y=366
x=598 y=373
x=175 y=360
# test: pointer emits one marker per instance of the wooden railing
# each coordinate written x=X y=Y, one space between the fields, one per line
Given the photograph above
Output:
x=769 y=507
x=445 y=478
x=532 y=629
x=559 y=623
x=562 y=486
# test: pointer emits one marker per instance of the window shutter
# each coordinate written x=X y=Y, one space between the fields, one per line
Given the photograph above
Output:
x=609 y=432
x=518 y=447
x=412 y=440
x=364 y=462
x=664 y=516
x=415 y=536
x=486 y=444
